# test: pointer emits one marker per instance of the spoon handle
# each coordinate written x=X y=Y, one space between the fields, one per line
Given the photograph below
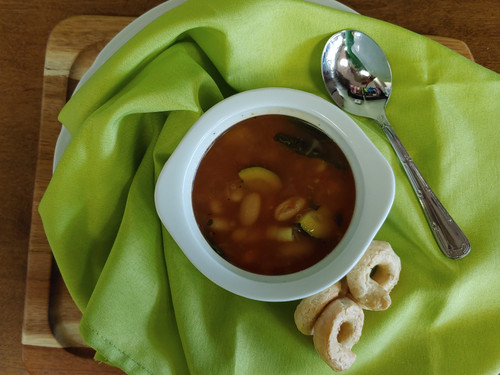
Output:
x=450 y=238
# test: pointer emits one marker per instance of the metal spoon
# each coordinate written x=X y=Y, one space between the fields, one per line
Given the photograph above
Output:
x=359 y=79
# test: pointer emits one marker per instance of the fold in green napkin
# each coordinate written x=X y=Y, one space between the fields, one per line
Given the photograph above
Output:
x=147 y=310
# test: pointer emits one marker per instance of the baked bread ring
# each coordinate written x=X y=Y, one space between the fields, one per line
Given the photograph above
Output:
x=309 y=308
x=373 y=277
x=337 y=329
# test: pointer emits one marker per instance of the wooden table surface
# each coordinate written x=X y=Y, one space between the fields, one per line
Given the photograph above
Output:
x=24 y=29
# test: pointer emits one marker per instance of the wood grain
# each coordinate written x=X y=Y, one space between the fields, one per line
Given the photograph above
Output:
x=50 y=317
x=50 y=331
x=24 y=30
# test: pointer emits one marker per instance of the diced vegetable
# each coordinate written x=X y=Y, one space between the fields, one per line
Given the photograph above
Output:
x=283 y=234
x=260 y=179
x=219 y=224
x=234 y=191
x=317 y=223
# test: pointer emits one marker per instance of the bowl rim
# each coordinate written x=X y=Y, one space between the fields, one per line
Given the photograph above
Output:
x=370 y=168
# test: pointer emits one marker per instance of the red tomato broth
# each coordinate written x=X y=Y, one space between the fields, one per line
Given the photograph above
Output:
x=256 y=246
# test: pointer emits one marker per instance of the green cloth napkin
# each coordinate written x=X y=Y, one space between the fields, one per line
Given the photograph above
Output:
x=147 y=310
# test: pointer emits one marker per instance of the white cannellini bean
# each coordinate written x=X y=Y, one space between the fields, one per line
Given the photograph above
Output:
x=250 y=209
x=216 y=206
x=247 y=235
x=289 y=208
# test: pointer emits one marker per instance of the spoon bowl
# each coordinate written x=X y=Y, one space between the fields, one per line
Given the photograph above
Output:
x=358 y=77
x=357 y=74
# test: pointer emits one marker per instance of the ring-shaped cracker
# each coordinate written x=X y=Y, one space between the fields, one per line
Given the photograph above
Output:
x=374 y=276
x=337 y=329
x=309 y=308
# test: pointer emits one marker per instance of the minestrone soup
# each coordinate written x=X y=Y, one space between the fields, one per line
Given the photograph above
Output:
x=273 y=195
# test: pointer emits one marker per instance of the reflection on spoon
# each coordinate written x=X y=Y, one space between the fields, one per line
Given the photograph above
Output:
x=359 y=79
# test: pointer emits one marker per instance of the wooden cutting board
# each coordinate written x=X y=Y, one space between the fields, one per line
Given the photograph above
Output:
x=50 y=338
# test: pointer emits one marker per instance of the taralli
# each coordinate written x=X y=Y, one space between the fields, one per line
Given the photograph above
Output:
x=335 y=316
x=309 y=308
x=337 y=329
x=373 y=277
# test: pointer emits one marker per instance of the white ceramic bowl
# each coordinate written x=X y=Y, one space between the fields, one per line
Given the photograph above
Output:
x=374 y=193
